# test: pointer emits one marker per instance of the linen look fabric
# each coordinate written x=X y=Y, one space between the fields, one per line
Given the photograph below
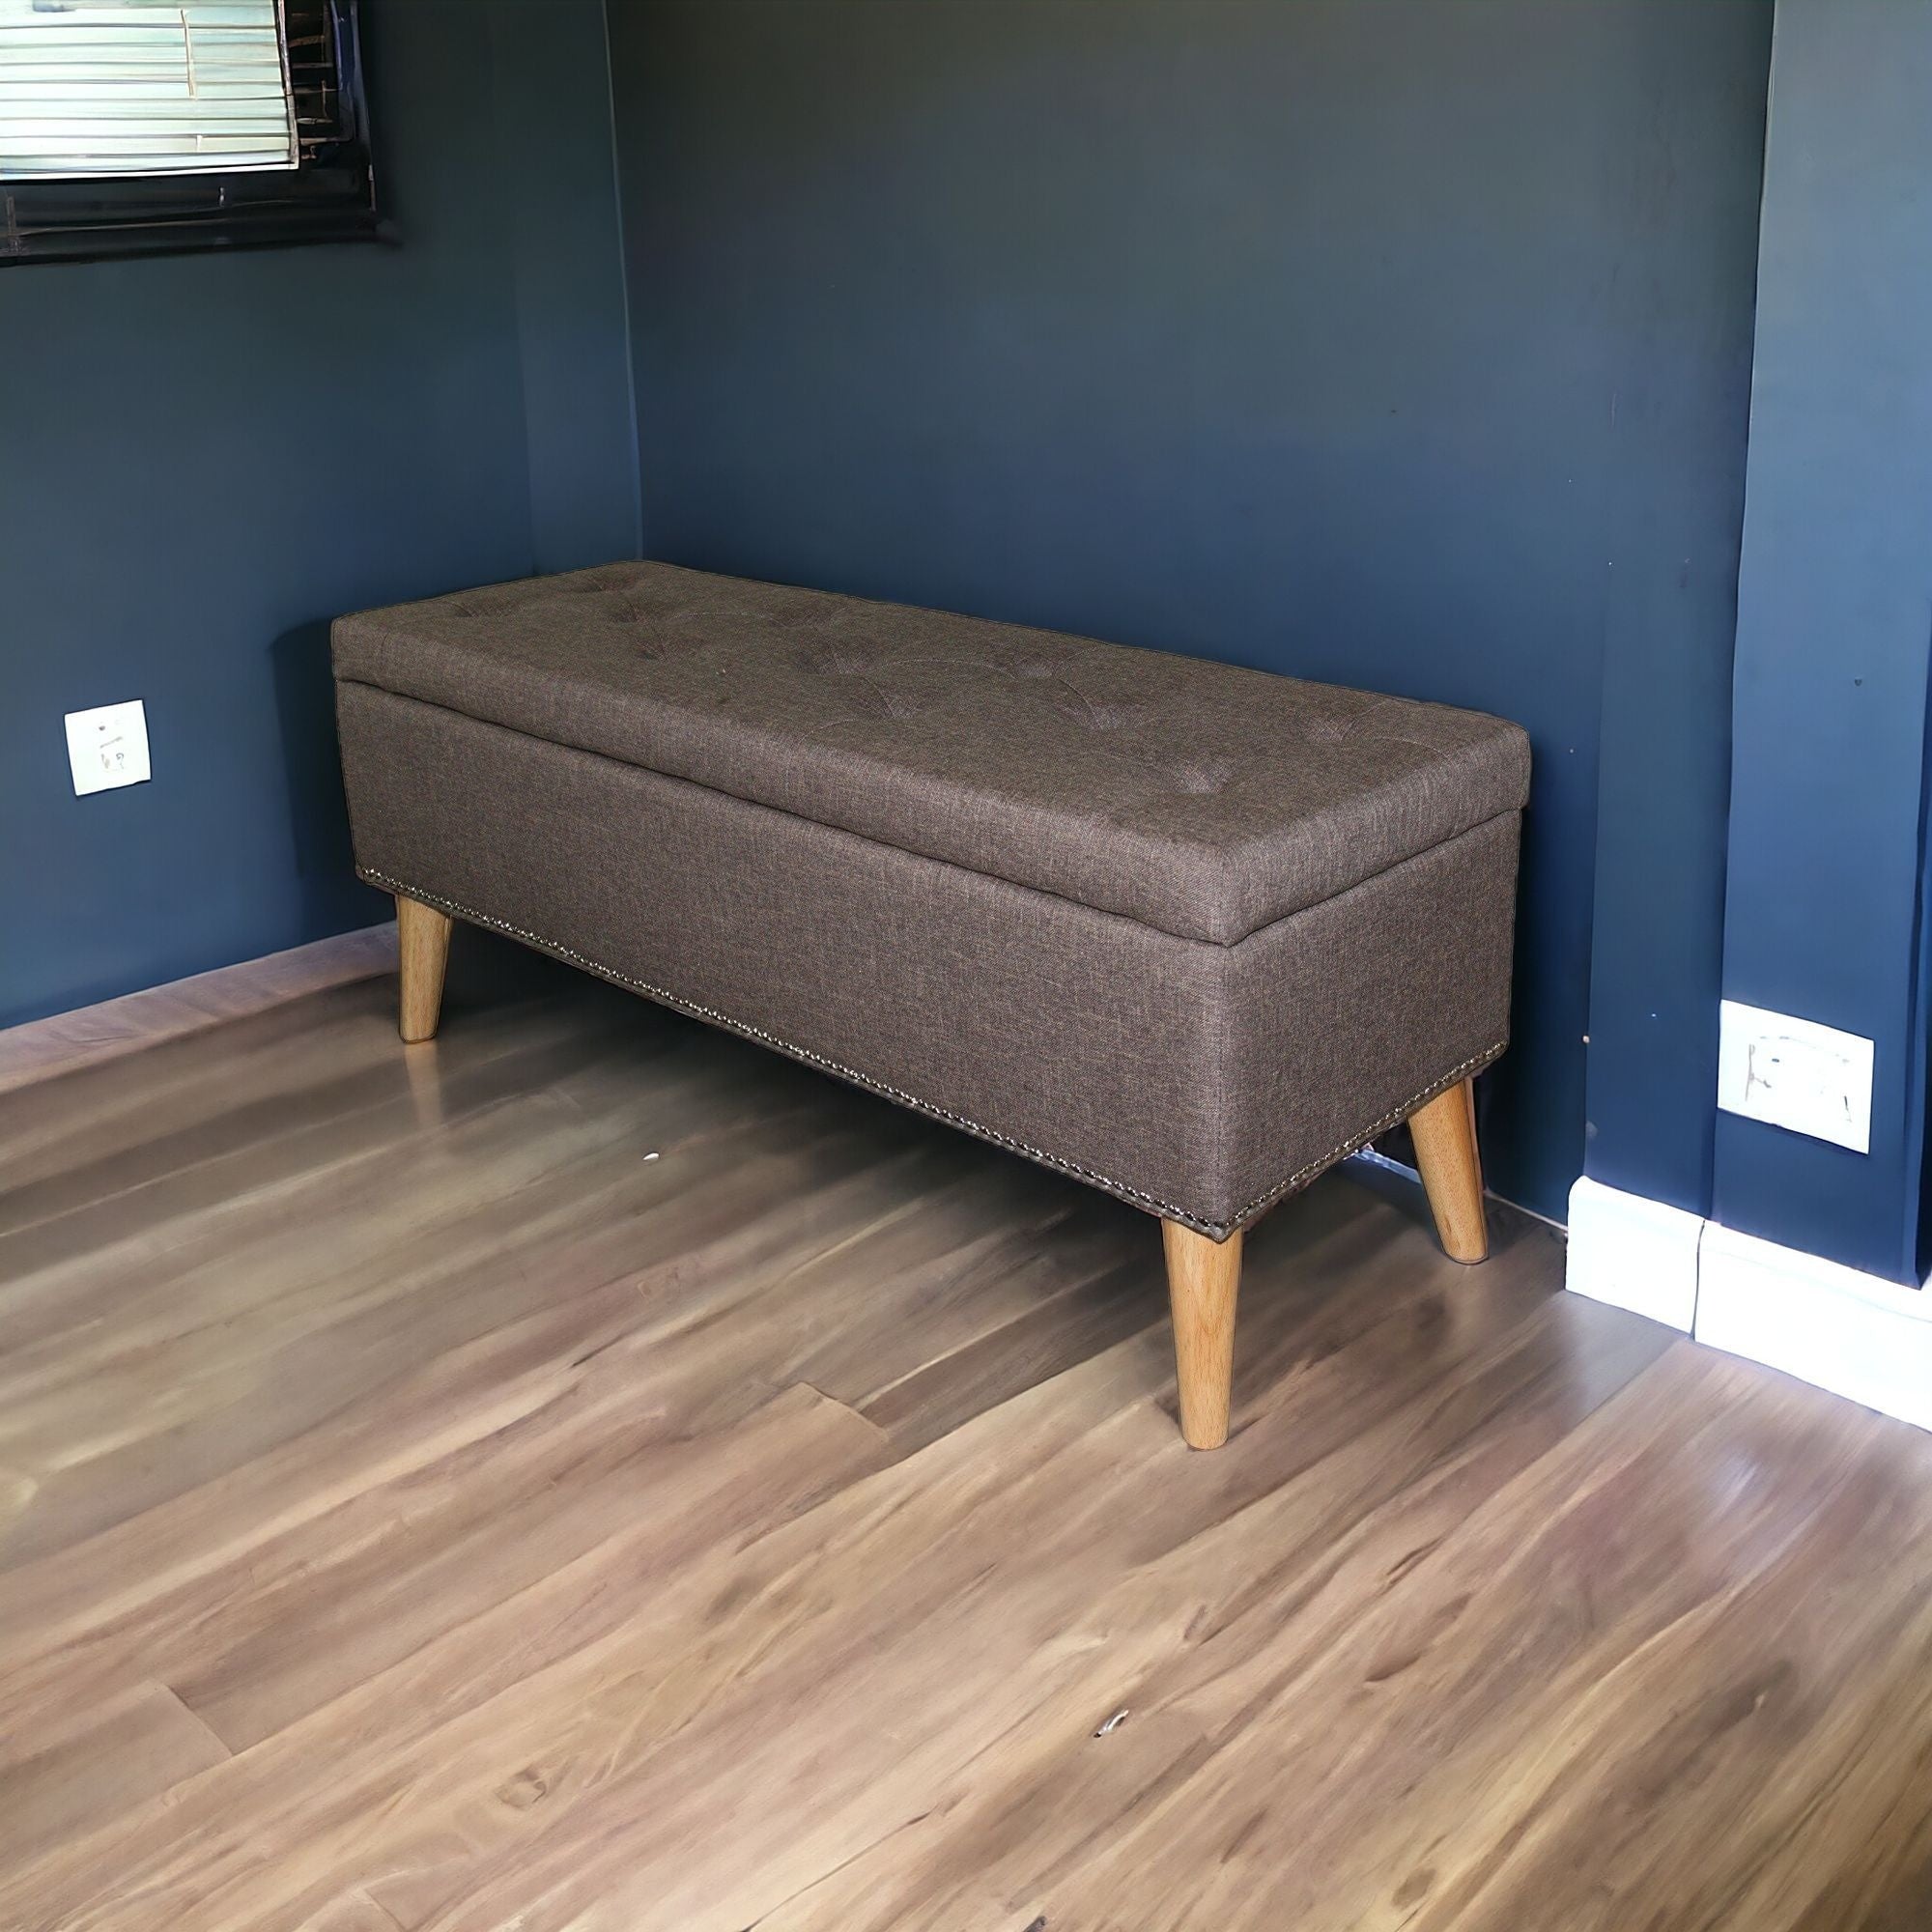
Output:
x=1189 y=931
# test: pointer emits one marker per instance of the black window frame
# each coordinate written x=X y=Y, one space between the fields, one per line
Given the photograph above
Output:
x=328 y=196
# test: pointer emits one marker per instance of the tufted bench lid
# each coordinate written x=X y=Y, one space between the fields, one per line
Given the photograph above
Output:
x=1196 y=797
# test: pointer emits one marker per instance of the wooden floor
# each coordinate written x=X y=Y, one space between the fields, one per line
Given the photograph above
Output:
x=589 y=1474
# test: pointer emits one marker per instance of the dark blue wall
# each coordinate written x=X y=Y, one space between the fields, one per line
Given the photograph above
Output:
x=205 y=458
x=1681 y=410
x=1835 y=618
x=1398 y=344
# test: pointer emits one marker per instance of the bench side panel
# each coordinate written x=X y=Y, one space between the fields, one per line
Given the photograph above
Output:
x=1342 y=1019
x=1198 y=1082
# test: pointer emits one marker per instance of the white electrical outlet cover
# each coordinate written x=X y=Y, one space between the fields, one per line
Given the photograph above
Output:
x=1795 y=1073
x=109 y=747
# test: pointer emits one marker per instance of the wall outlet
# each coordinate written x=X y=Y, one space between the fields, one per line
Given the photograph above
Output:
x=107 y=747
x=1795 y=1073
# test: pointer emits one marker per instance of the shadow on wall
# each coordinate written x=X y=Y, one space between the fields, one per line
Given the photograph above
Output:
x=329 y=891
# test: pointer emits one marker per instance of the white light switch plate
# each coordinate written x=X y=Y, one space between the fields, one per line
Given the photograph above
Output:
x=1795 y=1073
x=107 y=747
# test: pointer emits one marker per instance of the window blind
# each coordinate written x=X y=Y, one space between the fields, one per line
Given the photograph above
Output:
x=142 y=87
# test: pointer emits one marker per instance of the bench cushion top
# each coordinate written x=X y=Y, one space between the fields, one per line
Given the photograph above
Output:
x=1196 y=797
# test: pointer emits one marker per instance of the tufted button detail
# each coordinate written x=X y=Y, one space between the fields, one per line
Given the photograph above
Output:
x=620 y=609
x=1210 y=775
x=829 y=660
x=870 y=701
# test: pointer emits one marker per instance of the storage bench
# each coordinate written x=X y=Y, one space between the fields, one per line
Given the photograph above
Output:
x=1188 y=932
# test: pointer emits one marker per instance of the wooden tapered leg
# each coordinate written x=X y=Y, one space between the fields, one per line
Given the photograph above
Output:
x=1204 y=1277
x=1444 y=1133
x=422 y=939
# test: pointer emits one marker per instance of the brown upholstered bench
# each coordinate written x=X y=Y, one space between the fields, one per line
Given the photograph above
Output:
x=1190 y=932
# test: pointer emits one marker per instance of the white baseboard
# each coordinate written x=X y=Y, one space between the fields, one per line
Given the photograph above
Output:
x=1855 y=1335
x=1634 y=1253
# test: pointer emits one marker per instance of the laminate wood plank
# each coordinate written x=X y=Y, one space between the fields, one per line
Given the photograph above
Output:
x=540 y=1184
x=398 y=1426
x=457 y=1299
x=383 y=1172
x=17 y=1491
x=1057 y=1334
x=764 y=1351
x=221 y=1302
x=339 y=1770
x=1557 y=1716
x=199 y=1424
x=92 y=1113
x=65 y=1044
x=150 y=1108
x=118 y=1426
x=243 y=1147
x=409 y=1234
x=1089 y=1439
x=254 y=1631
x=353 y=1912
x=987 y=1668
x=60 y=1780
x=513 y=1522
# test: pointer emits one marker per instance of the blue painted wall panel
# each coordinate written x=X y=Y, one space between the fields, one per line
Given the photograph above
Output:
x=1656 y=936
x=1835 y=617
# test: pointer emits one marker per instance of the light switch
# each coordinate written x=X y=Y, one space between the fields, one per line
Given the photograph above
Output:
x=109 y=747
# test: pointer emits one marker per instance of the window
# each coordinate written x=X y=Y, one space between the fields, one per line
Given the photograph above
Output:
x=139 y=127
x=142 y=89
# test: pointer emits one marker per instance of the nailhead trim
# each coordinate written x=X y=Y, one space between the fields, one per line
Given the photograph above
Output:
x=1218 y=1230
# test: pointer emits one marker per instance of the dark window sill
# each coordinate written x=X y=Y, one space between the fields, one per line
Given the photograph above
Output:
x=122 y=240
